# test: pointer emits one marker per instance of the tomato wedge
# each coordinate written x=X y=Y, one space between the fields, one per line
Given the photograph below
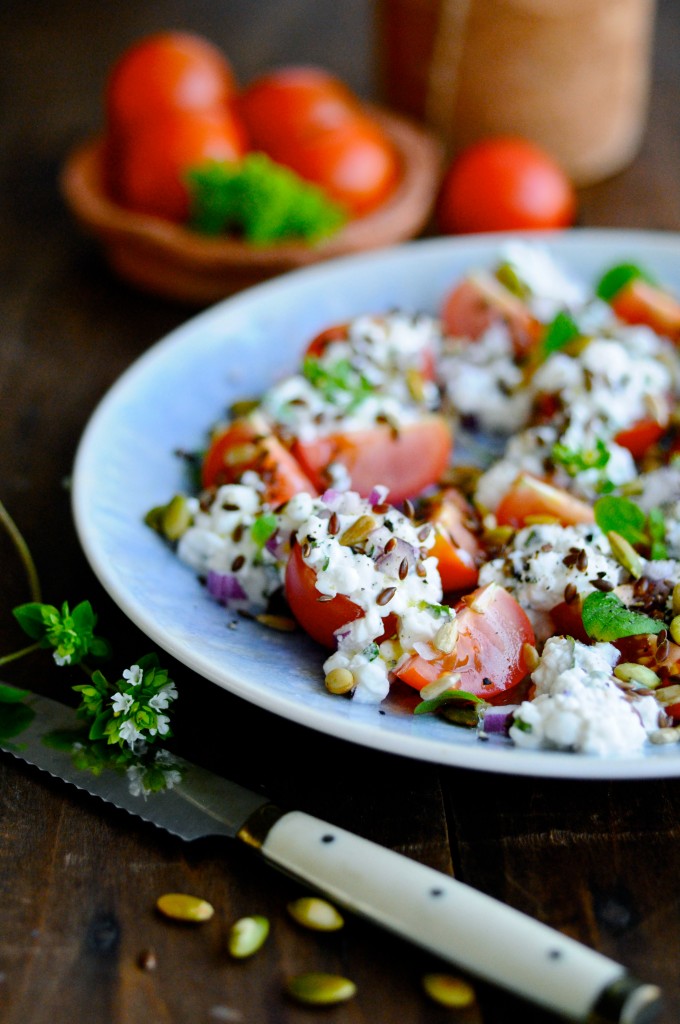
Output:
x=456 y=548
x=340 y=332
x=405 y=461
x=490 y=655
x=530 y=497
x=248 y=444
x=318 y=616
x=640 y=437
x=479 y=301
x=640 y=302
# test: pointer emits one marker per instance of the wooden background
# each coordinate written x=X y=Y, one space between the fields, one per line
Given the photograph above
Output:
x=78 y=883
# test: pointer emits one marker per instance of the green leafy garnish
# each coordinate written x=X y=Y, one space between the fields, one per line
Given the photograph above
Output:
x=337 y=380
x=426 y=706
x=616 y=279
x=261 y=201
x=69 y=633
x=263 y=528
x=606 y=618
x=560 y=333
x=624 y=517
x=578 y=460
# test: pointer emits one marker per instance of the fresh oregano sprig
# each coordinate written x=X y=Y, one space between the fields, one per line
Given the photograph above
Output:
x=129 y=713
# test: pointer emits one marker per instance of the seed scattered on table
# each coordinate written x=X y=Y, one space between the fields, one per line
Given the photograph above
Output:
x=318 y=989
x=315 y=913
x=182 y=907
x=449 y=991
x=247 y=935
x=147 y=961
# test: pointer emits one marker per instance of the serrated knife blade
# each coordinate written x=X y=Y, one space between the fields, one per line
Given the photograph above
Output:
x=440 y=914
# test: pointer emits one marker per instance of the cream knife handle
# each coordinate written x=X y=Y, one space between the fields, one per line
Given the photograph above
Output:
x=458 y=923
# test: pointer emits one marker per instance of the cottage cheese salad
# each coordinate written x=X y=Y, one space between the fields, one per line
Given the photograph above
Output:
x=534 y=596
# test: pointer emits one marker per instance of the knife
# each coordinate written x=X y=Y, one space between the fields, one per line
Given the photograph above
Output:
x=450 y=919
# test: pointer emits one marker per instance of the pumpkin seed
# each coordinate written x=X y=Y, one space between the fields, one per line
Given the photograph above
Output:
x=318 y=989
x=172 y=520
x=281 y=623
x=668 y=695
x=625 y=554
x=315 y=913
x=241 y=454
x=339 y=680
x=415 y=383
x=247 y=935
x=674 y=628
x=182 y=907
x=666 y=735
x=358 y=531
x=449 y=991
x=631 y=672
x=446 y=637
x=531 y=658
x=450 y=681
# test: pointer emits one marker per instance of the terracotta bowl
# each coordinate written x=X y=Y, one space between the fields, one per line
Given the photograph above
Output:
x=174 y=262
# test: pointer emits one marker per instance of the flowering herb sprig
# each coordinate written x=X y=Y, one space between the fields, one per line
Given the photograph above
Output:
x=129 y=713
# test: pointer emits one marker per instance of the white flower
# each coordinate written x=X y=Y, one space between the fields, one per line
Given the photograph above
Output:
x=129 y=733
x=161 y=700
x=162 y=725
x=134 y=675
x=61 y=659
x=121 y=703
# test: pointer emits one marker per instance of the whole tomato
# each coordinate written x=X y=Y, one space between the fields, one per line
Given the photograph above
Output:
x=281 y=108
x=149 y=169
x=504 y=184
x=165 y=73
x=306 y=119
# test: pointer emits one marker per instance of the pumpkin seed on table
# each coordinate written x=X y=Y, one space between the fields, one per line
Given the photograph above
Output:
x=448 y=991
x=247 y=935
x=319 y=989
x=315 y=913
x=181 y=906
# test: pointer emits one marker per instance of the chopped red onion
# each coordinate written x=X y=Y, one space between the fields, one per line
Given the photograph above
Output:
x=390 y=561
x=497 y=720
x=378 y=495
x=225 y=587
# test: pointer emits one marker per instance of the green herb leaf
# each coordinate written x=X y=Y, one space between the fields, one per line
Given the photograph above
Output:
x=31 y=618
x=616 y=279
x=623 y=516
x=426 y=706
x=261 y=201
x=578 y=460
x=338 y=380
x=656 y=525
x=559 y=333
x=263 y=528
x=606 y=618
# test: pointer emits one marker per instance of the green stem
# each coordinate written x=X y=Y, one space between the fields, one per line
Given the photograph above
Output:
x=23 y=552
x=19 y=654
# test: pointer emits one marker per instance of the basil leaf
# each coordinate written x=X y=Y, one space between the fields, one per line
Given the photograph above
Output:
x=623 y=517
x=560 y=332
x=616 y=279
x=606 y=618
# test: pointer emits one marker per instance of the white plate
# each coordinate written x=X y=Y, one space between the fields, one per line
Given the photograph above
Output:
x=167 y=400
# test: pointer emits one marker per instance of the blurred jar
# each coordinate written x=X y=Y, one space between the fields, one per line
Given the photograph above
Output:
x=571 y=75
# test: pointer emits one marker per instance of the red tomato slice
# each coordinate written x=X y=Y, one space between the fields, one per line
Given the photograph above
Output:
x=479 y=301
x=640 y=437
x=405 y=462
x=490 y=655
x=317 y=616
x=247 y=444
x=456 y=548
x=530 y=496
x=340 y=332
x=640 y=302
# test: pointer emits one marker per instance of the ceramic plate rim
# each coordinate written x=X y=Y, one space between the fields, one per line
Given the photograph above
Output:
x=94 y=523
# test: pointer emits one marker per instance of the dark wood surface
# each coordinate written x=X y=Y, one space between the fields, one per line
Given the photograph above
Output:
x=78 y=882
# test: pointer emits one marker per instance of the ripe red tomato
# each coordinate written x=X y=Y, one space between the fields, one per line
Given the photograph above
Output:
x=287 y=104
x=478 y=301
x=503 y=184
x=455 y=547
x=405 y=462
x=530 y=496
x=309 y=121
x=640 y=436
x=148 y=166
x=247 y=445
x=640 y=302
x=165 y=73
x=490 y=656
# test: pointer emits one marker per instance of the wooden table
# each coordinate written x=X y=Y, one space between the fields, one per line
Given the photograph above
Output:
x=78 y=881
